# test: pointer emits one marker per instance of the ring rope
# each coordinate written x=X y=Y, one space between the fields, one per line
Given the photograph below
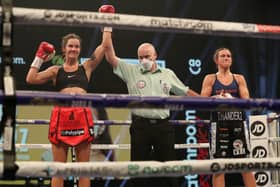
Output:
x=128 y=101
x=109 y=146
x=138 y=22
x=144 y=169
x=124 y=122
x=108 y=122
x=126 y=146
x=96 y=122
x=274 y=139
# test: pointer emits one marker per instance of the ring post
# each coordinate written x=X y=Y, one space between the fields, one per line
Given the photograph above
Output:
x=9 y=96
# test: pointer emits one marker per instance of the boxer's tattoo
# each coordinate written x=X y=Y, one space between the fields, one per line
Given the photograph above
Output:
x=92 y=57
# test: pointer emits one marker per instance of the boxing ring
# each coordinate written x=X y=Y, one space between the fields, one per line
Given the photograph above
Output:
x=11 y=98
x=138 y=169
x=149 y=102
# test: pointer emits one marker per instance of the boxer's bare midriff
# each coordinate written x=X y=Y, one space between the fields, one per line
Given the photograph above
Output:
x=73 y=90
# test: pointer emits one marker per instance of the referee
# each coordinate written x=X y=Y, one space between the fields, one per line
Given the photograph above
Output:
x=150 y=131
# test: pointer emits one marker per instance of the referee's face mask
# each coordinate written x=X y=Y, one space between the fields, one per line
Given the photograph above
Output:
x=146 y=55
x=147 y=64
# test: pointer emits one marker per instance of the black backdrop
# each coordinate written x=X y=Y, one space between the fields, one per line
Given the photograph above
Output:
x=256 y=58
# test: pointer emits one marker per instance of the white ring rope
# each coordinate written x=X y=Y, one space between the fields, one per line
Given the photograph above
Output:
x=125 y=146
x=274 y=139
x=123 y=122
x=148 y=23
x=96 y=122
x=109 y=146
x=144 y=169
x=106 y=122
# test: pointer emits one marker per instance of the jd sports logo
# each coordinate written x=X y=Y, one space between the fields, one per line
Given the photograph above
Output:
x=257 y=128
x=261 y=178
x=259 y=152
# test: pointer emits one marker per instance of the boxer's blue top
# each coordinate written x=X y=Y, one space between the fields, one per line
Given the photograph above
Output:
x=232 y=88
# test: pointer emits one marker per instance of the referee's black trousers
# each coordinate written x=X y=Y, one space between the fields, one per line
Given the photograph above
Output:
x=152 y=139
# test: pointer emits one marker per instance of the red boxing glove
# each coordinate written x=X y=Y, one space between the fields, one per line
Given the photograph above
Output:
x=45 y=52
x=107 y=9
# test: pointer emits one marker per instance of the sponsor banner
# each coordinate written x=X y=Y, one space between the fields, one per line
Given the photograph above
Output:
x=268 y=28
x=258 y=127
x=17 y=60
x=198 y=133
x=151 y=23
x=148 y=168
x=259 y=148
x=273 y=148
x=228 y=116
x=263 y=178
x=203 y=153
x=241 y=165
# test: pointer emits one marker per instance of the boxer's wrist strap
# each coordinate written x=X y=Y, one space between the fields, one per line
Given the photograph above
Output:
x=107 y=29
x=37 y=62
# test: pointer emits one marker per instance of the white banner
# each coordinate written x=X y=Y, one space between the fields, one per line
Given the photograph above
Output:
x=144 y=169
x=137 y=22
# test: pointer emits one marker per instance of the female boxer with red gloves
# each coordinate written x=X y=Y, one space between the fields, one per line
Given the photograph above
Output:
x=69 y=126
